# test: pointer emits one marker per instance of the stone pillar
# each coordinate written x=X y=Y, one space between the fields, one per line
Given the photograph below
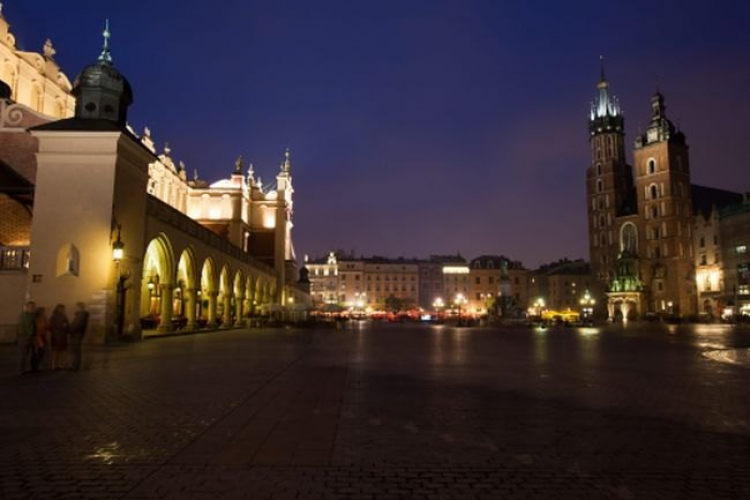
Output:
x=240 y=320
x=189 y=296
x=212 y=309
x=165 y=325
x=611 y=310
x=227 y=319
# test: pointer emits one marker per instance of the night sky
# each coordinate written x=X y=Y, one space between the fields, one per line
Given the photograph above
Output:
x=418 y=127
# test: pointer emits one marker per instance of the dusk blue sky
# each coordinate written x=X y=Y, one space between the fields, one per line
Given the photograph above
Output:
x=418 y=127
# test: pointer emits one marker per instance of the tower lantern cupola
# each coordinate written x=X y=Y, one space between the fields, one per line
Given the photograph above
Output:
x=606 y=115
x=101 y=91
x=660 y=128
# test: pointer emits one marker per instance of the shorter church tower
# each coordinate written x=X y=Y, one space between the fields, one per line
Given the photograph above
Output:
x=665 y=207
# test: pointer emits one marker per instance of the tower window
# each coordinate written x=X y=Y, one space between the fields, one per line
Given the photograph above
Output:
x=654 y=192
x=703 y=242
x=652 y=166
x=599 y=186
x=599 y=169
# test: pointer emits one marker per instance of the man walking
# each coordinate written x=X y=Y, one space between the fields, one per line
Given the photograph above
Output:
x=77 y=331
x=25 y=336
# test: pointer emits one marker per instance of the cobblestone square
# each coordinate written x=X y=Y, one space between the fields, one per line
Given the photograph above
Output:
x=378 y=411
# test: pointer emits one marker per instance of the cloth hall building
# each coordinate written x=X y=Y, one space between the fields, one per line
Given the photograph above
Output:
x=93 y=212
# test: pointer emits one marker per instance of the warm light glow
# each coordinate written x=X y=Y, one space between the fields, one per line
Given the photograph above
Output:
x=269 y=221
x=118 y=252
x=456 y=270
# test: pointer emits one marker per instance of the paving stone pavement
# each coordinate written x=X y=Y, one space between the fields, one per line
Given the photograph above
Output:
x=387 y=412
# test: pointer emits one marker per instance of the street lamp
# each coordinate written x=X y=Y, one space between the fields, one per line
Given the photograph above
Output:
x=460 y=301
x=587 y=306
x=118 y=247
x=539 y=305
x=118 y=253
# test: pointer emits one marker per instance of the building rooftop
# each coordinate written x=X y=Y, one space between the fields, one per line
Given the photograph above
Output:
x=705 y=199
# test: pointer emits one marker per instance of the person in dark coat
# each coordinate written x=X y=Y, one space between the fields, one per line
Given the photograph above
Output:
x=58 y=325
x=41 y=338
x=25 y=337
x=77 y=331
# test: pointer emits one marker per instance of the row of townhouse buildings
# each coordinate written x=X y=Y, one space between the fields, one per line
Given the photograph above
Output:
x=444 y=281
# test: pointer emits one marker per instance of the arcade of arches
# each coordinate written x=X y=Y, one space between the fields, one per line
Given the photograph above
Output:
x=179 y=290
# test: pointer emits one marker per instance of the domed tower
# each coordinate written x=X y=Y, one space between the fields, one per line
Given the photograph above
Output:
x=609 y=180
x=665 y=207
x=101 y=91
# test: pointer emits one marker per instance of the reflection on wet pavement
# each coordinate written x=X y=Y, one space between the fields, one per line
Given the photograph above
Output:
x=389 y=411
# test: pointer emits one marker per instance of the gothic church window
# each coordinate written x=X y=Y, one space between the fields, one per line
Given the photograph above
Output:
x=652 y=166
x=654 y=191
x=599 y=186
x=599 y=169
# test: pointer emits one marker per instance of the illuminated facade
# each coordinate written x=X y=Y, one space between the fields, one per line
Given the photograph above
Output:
x=194 y=254
x=641 y=218
x=559 y=286
x=492 y=277
x=391 y=278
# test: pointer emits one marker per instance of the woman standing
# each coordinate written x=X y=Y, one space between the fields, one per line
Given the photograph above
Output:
x=59 y=327
x=41 y=332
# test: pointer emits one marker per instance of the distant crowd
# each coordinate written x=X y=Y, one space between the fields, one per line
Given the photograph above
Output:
x=54 y=342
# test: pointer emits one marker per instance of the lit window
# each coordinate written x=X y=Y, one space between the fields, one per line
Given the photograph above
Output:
x=744 y=290
x=741 y=249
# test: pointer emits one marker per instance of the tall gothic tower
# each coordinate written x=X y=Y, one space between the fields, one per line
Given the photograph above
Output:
x=609 y=181
x=665 y=209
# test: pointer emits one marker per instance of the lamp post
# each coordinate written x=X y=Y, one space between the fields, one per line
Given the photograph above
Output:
x=459 y=301
x=359 y=303
x=587 y=307
x=118 y=253
x=539 y=306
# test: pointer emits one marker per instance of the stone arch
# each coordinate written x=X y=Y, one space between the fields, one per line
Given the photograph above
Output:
x=225 y=296
x=156 y=283
x=238 y=302
x=8 y=76
x=207 y=293
x=629 y=238
x=250 y=296
x=258 y=292
x=185 y=292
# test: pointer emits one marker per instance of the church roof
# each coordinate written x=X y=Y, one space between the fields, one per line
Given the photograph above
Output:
x=705 y=199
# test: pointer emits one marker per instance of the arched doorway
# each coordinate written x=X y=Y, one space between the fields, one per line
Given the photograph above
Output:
x=225 y=298
x=185 y=294
x=156 y=285
x=207 y=307
x=238 y=299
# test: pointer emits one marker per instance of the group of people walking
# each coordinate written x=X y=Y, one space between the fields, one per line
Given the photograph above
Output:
x=56 y=335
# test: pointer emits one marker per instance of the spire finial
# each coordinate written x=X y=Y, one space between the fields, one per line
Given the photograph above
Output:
x=49 y=49
x=287 y=166
x=106 y=57
x=238 y=164
x=601 y=62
